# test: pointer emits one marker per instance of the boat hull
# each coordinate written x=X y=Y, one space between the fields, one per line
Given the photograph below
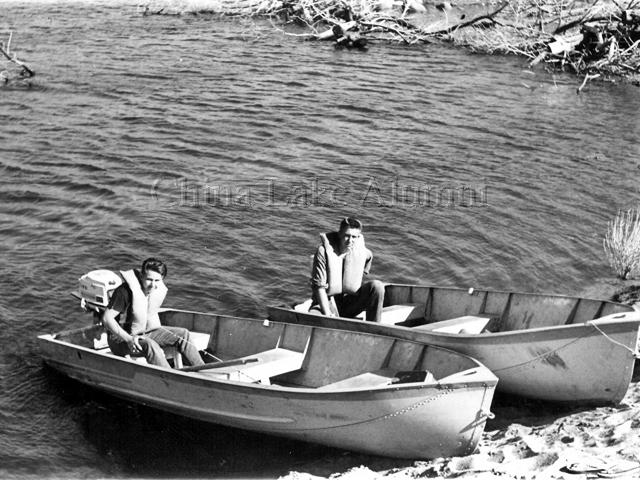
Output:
x=421 y=422
x=587 y=363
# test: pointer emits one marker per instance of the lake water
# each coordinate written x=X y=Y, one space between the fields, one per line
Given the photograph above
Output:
x=225 y=148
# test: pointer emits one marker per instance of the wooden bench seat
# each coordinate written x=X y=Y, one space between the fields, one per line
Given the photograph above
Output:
x=470 y=324
x=380 y=378
x=375 y=379
x=393 y=314
x=200 y=340
x=101 y=342
x=259 y=367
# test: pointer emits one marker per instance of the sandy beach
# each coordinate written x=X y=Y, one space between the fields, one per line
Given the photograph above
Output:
x=527 y=440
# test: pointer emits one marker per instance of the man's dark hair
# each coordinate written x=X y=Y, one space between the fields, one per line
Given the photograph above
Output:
x=154 y=265
x=350 y=222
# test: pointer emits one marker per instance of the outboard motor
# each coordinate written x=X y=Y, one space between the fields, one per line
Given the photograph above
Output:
x=94 y=292
x=95 y=289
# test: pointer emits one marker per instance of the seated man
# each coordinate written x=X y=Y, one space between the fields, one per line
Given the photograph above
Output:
x=132 y=322
x=339 y=264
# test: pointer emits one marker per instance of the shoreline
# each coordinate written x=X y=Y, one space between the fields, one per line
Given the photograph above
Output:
x=523 y=442
x=598 y=40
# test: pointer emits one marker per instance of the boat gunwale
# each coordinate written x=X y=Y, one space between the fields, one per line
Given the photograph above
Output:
x=262 y=320
x=530 y=294
x=373 y=334
x=565 y=330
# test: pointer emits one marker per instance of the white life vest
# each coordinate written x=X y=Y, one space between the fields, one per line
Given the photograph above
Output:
x=344 y=272
x=144 y=308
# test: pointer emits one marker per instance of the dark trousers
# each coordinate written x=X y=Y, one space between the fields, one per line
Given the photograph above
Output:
x=369 y=297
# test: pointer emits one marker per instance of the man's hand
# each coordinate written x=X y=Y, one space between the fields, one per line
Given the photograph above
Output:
x=134 y=344
x=323 y=300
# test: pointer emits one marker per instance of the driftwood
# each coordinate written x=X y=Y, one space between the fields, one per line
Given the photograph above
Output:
x=597 y=38
x=587 y=77
x=12 y=69
x=473 y=21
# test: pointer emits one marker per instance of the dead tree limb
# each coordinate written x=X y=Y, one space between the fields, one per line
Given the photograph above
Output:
x=386 y=28
x=488 y=16
x=6 y=52
x=587 y=77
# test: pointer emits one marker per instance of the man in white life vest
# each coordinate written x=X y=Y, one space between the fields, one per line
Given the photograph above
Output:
x=339 y=264
x=132 y=320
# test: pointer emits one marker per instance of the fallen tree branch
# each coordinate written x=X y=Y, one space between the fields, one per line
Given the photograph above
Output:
x=387 y=28
x=6 y=52
x=474 y=20
x=575 y=23
x=587 y=77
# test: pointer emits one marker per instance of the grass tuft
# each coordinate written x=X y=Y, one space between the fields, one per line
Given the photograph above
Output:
x=622 y=243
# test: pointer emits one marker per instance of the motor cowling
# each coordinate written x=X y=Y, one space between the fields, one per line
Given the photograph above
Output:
x=96 y=287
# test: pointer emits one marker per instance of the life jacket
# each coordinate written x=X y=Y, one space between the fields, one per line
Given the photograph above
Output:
x=344 y=272
x=144 y=309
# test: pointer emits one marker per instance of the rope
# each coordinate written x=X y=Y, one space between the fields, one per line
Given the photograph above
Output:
x=633 y=352
x=542 y=355
x=547 y=354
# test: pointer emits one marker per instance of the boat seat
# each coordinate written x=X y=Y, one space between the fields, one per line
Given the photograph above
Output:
x=378 y=378
x=260 y=367
x=304 y=306
x=393 y=314
x=141 y=360
x=199 y=340
x=172 y=355
x=470 y=324
x=101 y=342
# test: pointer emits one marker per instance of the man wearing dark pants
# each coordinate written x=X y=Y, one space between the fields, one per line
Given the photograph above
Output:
x=339 y=264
